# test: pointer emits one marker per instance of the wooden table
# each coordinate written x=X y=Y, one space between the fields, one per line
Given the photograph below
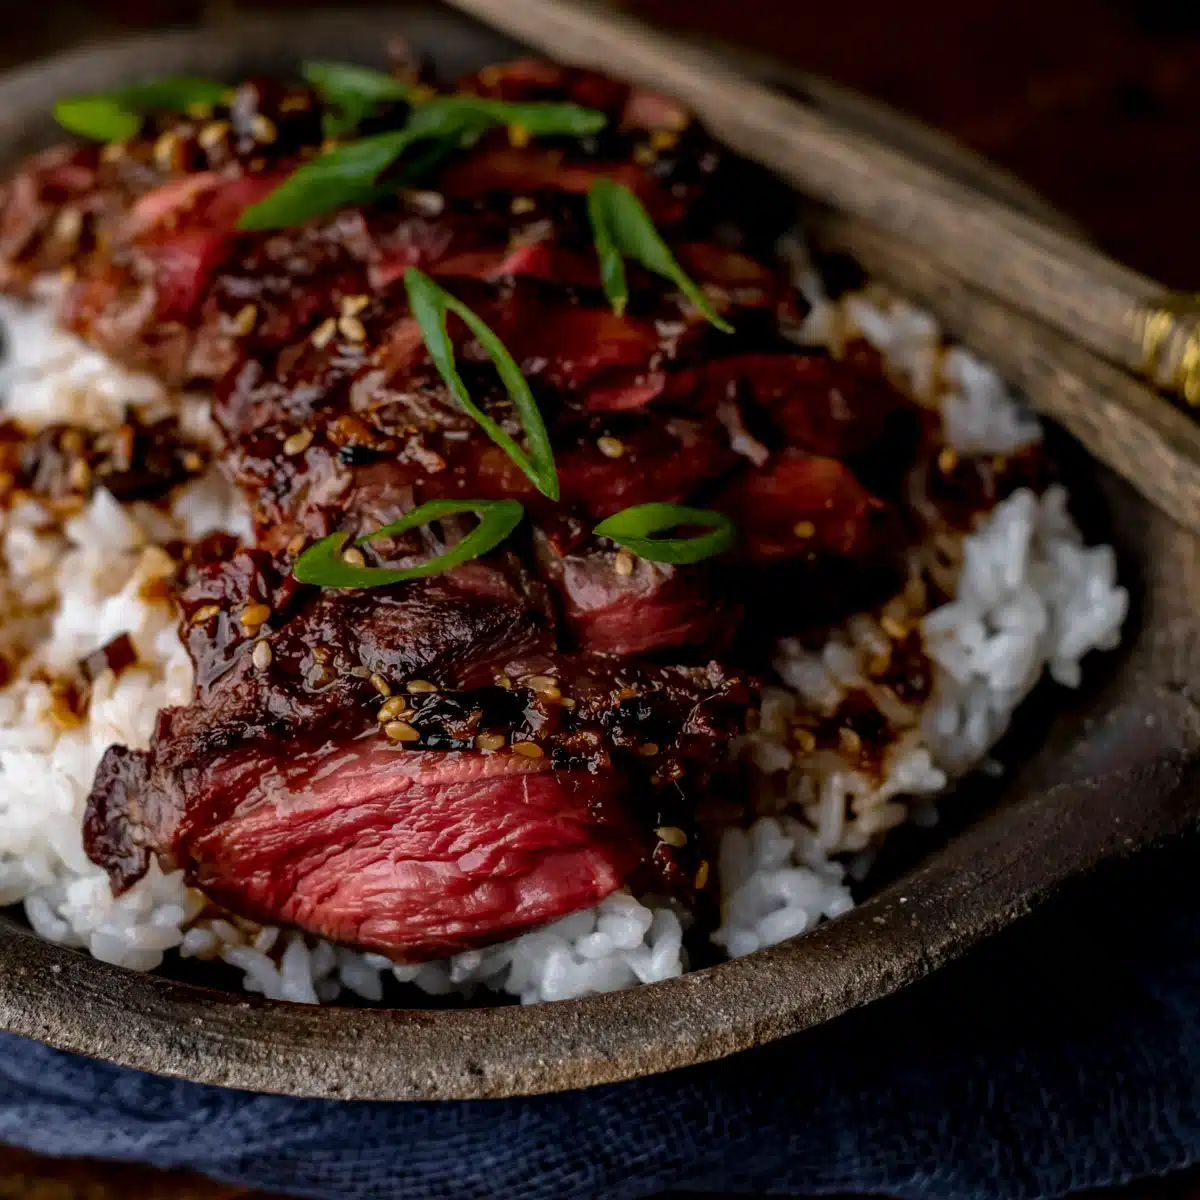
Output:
x=1092 y=101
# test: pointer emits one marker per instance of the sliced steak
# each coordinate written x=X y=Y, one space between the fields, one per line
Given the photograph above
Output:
x=614 y=603
x=496 y=788
x=415 y=855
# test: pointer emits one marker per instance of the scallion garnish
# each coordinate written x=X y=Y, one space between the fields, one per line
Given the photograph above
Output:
x=115 y=116
x=350 y=173
x=344 y=176
x=353 y=93
x=633 y=527
x=430 y=305
x=539 y=118
x=323 y=564
x=621 y=229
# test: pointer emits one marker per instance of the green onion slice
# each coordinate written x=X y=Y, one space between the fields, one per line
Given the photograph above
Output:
x=353 y=92
x=621 y=228
x=430 y=305
x=538 y=118
x=633 y=527
x=343 y=176
x=322 y=563
x=115 y=116
x=350 y=174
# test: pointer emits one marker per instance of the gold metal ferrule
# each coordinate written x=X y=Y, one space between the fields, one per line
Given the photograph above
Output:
x=1168 y=332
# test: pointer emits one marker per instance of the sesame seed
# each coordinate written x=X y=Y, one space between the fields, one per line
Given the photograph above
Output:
x=627 y=693
x=623 y=563
x=879 y=664
x=80 y=475
x=193 y=461
x=401 y=731
x=610 y=447
x=397 y=706
x=114 y=151
x=850 y=740
x=298 y=442
x=165 y=151
x=893 y=628
x=245 y=320
x=947 y=461
x=649 y=750
x=68 y=225
x=804 y=529
x=204 y=612
x=663 y=139
x=418 y=687
x=352 y=305
x=212 y=135
x=426 y=202
x=296 y=544
x=702 y=876
x=263 y=129
x=672 y=835
x=354 y=557
x=262 y=655
x=805 y=739
x=569 y=703
x=381 y=685
x=542 y=683
x=518 y=136
x=522 y=204
x=254 y=615
x=489 y=741
x=528 y=749
x=360 y=672
x=352 y=329
x=323 y=334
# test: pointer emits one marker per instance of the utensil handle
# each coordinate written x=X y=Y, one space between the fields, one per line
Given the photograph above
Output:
x=1022 y=260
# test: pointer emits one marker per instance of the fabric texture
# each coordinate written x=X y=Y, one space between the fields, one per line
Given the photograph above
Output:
x=1063 y=1055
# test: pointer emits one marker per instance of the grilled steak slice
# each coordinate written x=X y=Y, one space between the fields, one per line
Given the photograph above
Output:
x=329 y=649
x=613 y=603
x=416 y=855
x=499 y=786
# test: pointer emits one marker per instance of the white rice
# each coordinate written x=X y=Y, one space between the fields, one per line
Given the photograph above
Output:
x=1028 y=597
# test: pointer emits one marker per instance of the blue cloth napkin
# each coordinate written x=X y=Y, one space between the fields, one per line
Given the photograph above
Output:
x=1063 y=1055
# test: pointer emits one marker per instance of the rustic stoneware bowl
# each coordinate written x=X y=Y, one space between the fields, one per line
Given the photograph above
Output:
x=1112 y=773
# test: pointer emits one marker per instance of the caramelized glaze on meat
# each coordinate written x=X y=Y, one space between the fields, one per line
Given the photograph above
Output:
x=439 y=764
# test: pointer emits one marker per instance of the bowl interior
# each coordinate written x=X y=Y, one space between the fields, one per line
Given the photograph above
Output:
x=1100 y=773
